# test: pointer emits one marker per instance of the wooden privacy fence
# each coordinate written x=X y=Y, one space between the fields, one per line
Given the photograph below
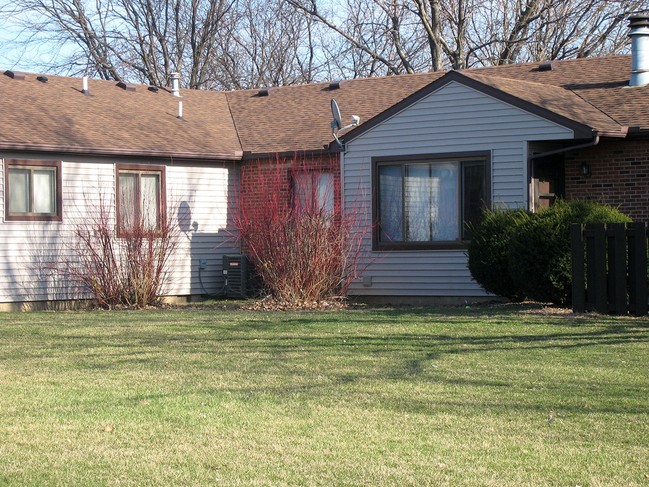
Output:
x=609 y=268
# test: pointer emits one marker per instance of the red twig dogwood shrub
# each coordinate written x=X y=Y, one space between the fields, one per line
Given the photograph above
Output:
x=293 y=229
x=120 y=267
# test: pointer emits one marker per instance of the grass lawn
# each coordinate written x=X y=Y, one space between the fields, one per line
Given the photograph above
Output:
x=206 y=396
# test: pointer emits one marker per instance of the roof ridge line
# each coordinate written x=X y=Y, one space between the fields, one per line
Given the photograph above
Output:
x=624 y=128
x=234 y=121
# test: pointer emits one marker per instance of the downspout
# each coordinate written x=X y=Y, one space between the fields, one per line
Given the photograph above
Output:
x=341 y=194
x=586 y=145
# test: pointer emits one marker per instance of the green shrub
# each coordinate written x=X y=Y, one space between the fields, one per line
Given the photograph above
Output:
x=489 y=249
x=540 y=262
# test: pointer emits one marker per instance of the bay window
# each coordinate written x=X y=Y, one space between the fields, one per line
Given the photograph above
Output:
x=428 y=202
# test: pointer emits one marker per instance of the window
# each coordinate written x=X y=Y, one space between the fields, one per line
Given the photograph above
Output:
x=32 y=190
x=140 y=197
x=428 y=202
x=313 y=191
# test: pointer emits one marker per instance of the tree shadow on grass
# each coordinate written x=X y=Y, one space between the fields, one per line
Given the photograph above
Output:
x=335 y=359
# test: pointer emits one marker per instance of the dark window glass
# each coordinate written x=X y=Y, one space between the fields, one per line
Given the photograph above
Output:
x=429 y=201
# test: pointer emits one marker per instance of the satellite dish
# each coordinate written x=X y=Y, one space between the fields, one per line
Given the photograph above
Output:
x=337 y=122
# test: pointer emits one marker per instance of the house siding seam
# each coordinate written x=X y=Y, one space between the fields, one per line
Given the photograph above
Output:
x=454 y=119
x=619 y=176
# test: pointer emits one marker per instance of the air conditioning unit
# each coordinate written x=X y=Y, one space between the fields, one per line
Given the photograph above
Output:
x=235 y=271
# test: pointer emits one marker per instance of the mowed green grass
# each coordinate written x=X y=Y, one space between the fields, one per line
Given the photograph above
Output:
x=207 y=396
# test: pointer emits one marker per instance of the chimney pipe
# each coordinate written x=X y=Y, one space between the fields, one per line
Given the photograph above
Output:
x=639 y=33
x=175 y=84
x=84 y=86
x=180 y=110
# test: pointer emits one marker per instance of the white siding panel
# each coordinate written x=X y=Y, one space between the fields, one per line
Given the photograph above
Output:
x=2 y=189
x=453 y=119
x=208 y=192
x=28 y=250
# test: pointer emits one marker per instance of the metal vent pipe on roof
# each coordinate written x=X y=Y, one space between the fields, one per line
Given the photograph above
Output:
x=639 y=33
x=175 y=84
x=84 y=86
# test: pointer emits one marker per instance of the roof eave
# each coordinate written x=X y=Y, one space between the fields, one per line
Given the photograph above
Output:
x=638 y=133
x=103 y=151
x=325 y=150
x=622 y=133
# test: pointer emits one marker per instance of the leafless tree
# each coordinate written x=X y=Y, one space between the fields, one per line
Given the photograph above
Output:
x=212 y=43
x=534 y=30
x=143 y=40
x=464 y=33
x=233 y=44
x=584 y=29
x=268 y=44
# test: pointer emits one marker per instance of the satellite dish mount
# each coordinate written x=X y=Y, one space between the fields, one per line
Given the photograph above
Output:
x=337 y=122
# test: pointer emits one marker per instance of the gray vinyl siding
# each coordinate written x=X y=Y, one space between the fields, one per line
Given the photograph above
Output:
x=453 y=119
x=28 y=249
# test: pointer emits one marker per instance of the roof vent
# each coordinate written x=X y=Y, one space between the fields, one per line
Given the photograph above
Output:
x=546 y=66
x=153 y=89
x=263 y=92
x=126 y=86
x=180 y=110
x=175 y=84
x=639 y=33
x=84 y=85
x=17 y=75
x=42 y=79
x=334 y=85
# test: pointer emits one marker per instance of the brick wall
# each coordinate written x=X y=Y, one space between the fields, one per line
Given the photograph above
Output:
x=263 y=177
x=619 y=176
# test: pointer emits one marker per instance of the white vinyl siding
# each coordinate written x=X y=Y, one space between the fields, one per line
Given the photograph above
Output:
x=29 y=249
x=454 y=119
x=202 y=196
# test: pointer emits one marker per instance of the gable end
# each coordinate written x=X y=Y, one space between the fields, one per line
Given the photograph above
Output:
x=580 y=130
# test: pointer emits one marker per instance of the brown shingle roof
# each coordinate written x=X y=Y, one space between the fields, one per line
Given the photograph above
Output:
x=297 y=118
x=556 y=100
x=602 y=82
x=57 y=116
x=590 y=92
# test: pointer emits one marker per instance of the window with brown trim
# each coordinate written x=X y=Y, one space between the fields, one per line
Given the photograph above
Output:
x=428 y=202
x=32 y=190
x=141 y=202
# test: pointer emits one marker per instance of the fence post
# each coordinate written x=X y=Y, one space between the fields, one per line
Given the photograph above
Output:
x=599 y=269
x=638 y=268
x=591 y=275
x=617 y=267
x=578 y=272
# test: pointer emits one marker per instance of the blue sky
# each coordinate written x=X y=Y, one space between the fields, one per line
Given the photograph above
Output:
x=13 y=52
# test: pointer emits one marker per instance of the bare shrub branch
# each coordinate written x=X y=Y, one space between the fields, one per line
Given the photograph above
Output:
x=293 y=230
x=119 y=270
